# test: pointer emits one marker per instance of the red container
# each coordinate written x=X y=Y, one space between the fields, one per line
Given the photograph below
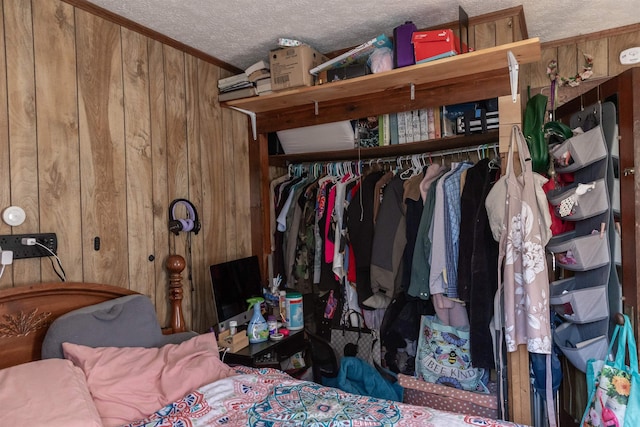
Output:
x=436 y=44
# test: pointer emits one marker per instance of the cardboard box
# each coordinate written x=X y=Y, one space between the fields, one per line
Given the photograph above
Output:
x=233 y=342
x=290 y=66
x=436 y=44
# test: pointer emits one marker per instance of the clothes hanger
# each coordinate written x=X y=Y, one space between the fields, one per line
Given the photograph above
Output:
x=410 y=172
x=495 y=163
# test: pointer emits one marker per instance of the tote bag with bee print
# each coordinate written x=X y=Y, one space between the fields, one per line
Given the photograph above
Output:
x=443 y=356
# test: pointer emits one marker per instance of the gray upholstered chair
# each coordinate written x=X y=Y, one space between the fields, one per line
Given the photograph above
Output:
x=128 y=321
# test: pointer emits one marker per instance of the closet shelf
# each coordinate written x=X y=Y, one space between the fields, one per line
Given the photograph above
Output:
x=452 y=80
x=429 y=146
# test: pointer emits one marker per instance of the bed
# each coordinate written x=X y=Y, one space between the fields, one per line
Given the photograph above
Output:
x=180 y=383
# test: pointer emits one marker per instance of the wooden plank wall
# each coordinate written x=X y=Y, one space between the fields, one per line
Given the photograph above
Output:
x=101 y=127
x=603 y=46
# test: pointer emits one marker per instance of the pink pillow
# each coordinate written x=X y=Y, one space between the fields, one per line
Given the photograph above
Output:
x=131 y=383
x=49 y=392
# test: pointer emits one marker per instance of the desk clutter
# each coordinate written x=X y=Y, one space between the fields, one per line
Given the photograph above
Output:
x=274 y=317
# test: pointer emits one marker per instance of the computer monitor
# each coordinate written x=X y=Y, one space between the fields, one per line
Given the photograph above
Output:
x=233 y=282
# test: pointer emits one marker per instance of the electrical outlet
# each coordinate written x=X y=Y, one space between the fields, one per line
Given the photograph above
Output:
x=13 y=242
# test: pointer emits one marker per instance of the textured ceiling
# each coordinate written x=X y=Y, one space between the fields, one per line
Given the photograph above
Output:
x=240 y=32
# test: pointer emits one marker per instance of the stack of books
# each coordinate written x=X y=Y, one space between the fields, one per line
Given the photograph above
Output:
x=419 y=125
x=260 y=75
x=234 y=87
x=255 y=80
x=399 y=128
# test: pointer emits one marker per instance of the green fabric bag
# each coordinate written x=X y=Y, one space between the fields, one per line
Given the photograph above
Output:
x=532 y=129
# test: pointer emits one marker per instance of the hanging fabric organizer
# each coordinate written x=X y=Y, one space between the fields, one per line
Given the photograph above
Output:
x=588 y=283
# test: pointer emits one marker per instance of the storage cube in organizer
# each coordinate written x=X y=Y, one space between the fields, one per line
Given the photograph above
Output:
x=579 y=301
x=581 y=342
x=423 y=393
x=579 y=151
x=580 y=201
x=580 y=253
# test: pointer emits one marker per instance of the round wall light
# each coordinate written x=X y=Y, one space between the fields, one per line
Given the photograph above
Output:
x=13 y=215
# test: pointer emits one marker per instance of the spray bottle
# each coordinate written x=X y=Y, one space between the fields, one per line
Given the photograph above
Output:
x=257 y=330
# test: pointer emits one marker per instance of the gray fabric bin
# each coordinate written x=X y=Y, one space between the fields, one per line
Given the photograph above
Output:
x=580 y=253
x=594 y=201
x=578 y=301
x=581 y=342
x=582 y=150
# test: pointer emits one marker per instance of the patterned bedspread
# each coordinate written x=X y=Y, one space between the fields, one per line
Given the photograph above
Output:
x=271 y=398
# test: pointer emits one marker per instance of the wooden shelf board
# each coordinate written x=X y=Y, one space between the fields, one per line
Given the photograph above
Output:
x=467 y=65
x=447 y=92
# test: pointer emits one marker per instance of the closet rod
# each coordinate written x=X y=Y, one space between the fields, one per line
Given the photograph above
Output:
x=445 y=143
x=407 y=157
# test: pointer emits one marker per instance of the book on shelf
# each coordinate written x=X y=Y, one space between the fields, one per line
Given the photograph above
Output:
x=408 y=126
x=235 y=86
x=367 y=131
x=393 y=129
x=402 y=126
x=257 y=66
x=386 y=131
x=232 y=80
x=414 y=126
x=236 y=94
x=422 y=133
x=437 y=123
x=431 y=123
x=381 y=130
x=259 y=75
x=254 y=72
x=356 y=55
x=263 y=86
x=415 y=120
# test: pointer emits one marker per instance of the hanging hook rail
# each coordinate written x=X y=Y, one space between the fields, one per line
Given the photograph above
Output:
x=333 y=167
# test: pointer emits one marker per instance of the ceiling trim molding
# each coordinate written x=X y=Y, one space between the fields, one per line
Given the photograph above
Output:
x=127 y=23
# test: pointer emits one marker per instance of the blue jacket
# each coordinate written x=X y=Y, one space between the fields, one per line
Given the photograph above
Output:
x=359 y=377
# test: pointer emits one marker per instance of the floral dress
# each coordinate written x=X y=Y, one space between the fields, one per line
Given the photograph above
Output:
x=525 y=277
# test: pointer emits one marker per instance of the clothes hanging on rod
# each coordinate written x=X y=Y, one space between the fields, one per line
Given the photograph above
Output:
x=357 y=228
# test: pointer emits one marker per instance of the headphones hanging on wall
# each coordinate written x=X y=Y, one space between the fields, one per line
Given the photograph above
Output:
x=189 y=224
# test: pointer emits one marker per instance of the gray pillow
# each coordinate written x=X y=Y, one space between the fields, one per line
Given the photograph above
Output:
x=128 y=321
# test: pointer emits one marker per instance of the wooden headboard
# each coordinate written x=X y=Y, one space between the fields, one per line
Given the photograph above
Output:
x=27 y=311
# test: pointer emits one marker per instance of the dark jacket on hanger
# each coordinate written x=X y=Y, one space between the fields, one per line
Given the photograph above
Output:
x=415 y=205
x=360 y=225
x=478 y=260
x=389 y=241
